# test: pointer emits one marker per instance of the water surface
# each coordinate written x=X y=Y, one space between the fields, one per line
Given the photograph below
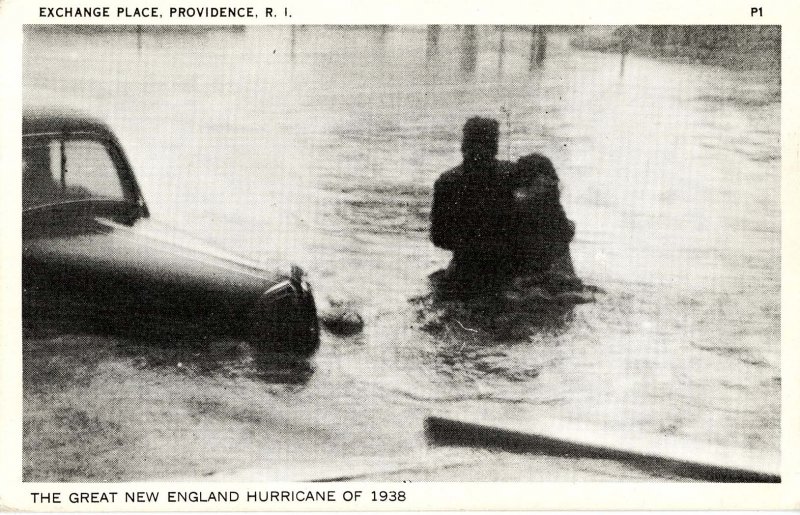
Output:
x=322 y=144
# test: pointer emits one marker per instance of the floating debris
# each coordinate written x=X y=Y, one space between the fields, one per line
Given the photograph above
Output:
x=341 y=319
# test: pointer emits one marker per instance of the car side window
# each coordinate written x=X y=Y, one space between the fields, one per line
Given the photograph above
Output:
x=74 y=169
x=89 y=168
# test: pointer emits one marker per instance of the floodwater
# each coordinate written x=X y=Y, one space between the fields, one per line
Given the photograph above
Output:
x=322 y=144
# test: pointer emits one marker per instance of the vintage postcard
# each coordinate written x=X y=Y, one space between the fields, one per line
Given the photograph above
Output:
x=342 y=256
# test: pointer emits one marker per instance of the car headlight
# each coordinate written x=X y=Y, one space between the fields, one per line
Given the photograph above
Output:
x=285 y=319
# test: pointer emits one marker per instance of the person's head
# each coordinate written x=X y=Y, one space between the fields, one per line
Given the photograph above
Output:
x=537 y=166
x=481 y=137
x=537 y=173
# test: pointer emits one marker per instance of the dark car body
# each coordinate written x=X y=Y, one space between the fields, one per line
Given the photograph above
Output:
x=92 y=259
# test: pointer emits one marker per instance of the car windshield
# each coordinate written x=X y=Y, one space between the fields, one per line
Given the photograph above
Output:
x=62 y=170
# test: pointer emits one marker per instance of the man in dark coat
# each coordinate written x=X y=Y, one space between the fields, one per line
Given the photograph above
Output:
x=472 y=209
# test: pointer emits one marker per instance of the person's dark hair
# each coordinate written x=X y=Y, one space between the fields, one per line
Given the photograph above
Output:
x=537 y=165
x=481 y=137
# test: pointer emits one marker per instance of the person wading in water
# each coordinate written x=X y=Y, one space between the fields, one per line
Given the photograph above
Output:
x=500 y=220
x=471 y=211
x=542 y=231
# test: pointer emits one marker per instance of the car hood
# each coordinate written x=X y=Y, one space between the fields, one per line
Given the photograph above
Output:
x=157 y=252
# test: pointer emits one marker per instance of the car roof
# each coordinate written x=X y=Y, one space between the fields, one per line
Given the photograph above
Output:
x=52 y=120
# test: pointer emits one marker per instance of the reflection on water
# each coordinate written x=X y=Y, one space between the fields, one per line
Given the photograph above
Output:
x=322 y=144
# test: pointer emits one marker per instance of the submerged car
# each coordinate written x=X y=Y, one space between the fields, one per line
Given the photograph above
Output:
x=92 y=259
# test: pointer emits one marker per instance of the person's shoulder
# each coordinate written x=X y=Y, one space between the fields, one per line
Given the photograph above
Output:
x=506 y=168
x=451 y=176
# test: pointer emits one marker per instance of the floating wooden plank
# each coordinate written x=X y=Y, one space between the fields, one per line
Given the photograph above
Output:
x=662 y=455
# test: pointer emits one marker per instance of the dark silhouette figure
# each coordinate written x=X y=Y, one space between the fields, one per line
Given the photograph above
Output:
x=502 y=221
x=472 y=209
x=542 y=232
x=511 y=272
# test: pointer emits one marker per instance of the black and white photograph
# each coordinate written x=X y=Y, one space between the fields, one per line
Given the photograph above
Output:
x=393 y=253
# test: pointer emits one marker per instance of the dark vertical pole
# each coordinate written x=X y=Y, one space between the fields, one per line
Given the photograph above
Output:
x=139 y=37
x=469 y=50
x=779 y=56
x=625 y=44
x=538 y=46
x=659 y=38
x=541 y=48
x=63 y=161
x=502 y=50
x=291 y=42
x=432 y=46
x=532 y=56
